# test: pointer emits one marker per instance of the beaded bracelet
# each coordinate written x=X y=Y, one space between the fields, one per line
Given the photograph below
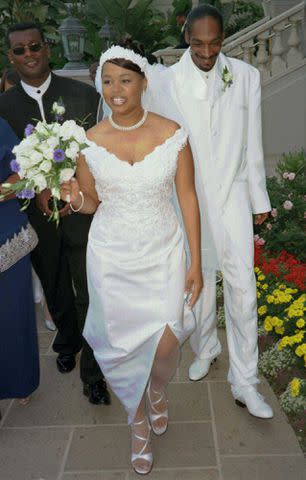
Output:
x=75 y=210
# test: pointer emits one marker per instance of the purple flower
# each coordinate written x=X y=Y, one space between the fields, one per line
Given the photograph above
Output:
x=26 y=193
x=58 y=155
x=58 y=118
x=29 y=129
x=15 y=167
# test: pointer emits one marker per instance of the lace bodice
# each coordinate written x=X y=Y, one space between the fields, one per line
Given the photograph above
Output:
x=135 y=199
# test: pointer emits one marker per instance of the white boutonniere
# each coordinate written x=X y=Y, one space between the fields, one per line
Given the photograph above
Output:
x=227 y=78
x=58 y=110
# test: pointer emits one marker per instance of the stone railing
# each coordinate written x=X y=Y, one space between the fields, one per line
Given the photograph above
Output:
x=274 y=45
x=244 y=31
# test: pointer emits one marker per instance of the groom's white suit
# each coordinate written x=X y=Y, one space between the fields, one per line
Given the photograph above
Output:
x=224 y=124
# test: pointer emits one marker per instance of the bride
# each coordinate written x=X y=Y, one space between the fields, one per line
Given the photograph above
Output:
x=137 y=279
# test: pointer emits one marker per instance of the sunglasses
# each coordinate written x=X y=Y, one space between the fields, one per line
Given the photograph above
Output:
x=33 y=47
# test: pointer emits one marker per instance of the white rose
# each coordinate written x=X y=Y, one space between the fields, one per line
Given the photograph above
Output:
x=55 y=129
x=35 y=157
x=52 y=142
x=66 y=174
x=40 y=181
x=41 y=128
x=79 y=134
x=31 y=172
x=48 y=153
x=45 y=166
x=72 y=150
x=67 y=129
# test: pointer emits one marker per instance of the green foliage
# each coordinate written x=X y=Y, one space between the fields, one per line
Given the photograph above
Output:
x=287 y=227
x=139 y=20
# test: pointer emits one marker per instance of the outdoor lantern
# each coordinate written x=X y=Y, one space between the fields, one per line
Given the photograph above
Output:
x=73 y=38
x=106 y=32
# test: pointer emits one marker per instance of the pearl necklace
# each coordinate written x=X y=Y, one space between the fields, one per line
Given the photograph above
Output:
x=132 y=127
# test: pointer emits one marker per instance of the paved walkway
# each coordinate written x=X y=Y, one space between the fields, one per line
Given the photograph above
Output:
x=60 y=436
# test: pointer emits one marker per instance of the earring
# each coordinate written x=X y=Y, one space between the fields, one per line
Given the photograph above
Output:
x=12 y=61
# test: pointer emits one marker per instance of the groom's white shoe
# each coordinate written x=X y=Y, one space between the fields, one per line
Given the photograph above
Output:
x=249 y=397
x=200 y=368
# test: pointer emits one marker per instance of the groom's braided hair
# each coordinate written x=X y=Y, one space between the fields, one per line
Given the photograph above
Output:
x=202 y=11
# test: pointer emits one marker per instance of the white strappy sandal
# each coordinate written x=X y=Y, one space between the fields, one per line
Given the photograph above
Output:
x=148 y=457
x=154 y=414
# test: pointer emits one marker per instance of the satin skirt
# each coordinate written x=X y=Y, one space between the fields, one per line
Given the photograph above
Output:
x=134 y=293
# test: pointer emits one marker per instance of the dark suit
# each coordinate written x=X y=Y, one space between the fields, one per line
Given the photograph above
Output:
x=60 y=257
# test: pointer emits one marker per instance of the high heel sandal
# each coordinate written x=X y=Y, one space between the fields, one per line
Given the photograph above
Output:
x=154 y=414
x=148 y=457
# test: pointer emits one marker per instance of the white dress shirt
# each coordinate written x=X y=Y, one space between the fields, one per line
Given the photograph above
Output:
x=37 y=93
x=208 y=77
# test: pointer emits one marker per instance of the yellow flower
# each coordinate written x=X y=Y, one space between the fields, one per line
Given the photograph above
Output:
x=258 y=294
x=283 y=343
x=262 y=310
x=279 y=322
x=257 y=284
x=261 y=277
x=280 y=330
x=282 y=287
x=267 y=324
x=300 y=323
x=256 y=270
x=270 y=298
x=295 y=387
x=265 y=286
x=300 y=351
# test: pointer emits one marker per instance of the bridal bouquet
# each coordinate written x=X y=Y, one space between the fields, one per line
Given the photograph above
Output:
x=44 y=159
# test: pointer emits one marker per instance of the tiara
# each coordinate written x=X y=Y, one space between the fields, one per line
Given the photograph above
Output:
x=119 y=52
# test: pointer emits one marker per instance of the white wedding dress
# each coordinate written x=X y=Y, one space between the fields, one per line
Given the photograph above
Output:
x=135 y=266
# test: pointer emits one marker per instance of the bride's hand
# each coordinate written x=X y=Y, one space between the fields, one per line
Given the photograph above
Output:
x=193 y=284
x=70 y=190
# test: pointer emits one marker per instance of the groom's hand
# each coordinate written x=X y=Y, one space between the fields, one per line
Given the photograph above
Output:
x=261 y=217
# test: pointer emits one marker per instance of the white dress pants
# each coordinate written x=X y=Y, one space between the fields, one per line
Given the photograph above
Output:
x=240 y=303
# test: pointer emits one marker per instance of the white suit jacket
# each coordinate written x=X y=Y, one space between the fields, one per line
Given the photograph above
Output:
x=231 y=184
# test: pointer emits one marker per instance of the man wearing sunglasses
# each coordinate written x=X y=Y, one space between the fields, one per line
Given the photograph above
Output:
x=60 y=256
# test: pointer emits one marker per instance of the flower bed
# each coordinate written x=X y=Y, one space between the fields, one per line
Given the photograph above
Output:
x=282 y=330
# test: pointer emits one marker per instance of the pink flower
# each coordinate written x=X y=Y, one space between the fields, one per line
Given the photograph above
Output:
x=269 y=226
x=261 y=241
x=287 y=205
x=291 y=176
x=274 y=212
x=256 y=238
x=285 y=175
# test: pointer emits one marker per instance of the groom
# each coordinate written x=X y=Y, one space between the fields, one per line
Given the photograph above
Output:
x=217 y=99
